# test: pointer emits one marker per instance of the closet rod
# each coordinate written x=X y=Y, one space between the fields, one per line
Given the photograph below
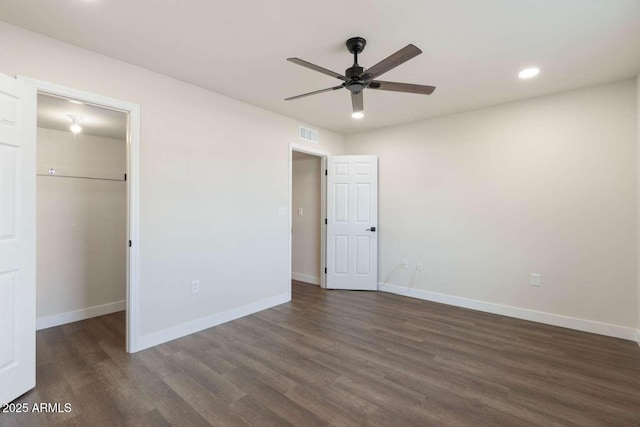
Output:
x=81 y=177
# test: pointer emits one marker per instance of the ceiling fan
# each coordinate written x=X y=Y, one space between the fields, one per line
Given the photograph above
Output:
x=357 y=78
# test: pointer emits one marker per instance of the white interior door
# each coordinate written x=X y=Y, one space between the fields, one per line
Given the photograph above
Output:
x=352 y=218
x=17 y=238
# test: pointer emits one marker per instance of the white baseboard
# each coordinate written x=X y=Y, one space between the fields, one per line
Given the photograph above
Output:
x=517 y=312
x=305 y=278
x=76 y=315
x=169 y=334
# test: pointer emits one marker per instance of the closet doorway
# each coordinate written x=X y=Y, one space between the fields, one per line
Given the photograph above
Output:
x=81 y=220
x=87 y=212
x=81 y=214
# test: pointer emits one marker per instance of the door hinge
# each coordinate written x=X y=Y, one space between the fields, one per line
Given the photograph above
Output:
x=129 y=243
x=125 y=176
x=325 y=270
x=325 y=221
x=326 y=172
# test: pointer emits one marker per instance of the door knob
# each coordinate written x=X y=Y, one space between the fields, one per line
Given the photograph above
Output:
x=372 y=229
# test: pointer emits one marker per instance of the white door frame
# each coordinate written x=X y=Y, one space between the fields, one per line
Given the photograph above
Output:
x=323 y=206
x=133 y=189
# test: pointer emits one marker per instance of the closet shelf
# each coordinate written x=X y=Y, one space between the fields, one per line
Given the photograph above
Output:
x=81 y=173
x=82 y=177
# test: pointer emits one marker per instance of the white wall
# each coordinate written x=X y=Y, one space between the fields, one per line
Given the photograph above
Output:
x=81 y=238
x=214 y=172
x=305 y=243
x=484 y=198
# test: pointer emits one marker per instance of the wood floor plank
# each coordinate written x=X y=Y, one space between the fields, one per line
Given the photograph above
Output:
x=212 y=409
x=259 y=370
x=317 y=404
x=96 y=407
x=274 y=400
x=213 y=382
x=150 y=419
x=256 y=414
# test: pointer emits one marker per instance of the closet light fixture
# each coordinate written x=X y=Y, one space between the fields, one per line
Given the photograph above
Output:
x=357 y=115
x=75 y=127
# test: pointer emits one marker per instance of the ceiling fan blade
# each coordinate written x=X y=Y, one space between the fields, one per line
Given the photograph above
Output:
x=400 y=57
x=314 y=93
x=317 y=68
x=357 y=100
x=401 y=87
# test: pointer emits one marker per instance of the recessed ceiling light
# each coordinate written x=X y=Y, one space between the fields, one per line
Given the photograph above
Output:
x=358 y=115
x=528 y=73
x=73 y=101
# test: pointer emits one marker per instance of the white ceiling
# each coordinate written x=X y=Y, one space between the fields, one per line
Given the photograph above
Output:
x=53 y=113
x=472 y=49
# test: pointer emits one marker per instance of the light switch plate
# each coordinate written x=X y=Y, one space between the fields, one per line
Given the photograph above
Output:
x=535 y=279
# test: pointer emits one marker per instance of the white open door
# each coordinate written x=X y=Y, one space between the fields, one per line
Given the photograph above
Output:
x=352 y=218
x=17 y=238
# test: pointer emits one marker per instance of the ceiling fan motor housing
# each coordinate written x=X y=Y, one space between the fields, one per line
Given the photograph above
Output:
x=353 y=73
x=355 y=86
x=354 y=83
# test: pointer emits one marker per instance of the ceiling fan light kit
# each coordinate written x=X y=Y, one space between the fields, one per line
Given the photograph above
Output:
x=356 y=78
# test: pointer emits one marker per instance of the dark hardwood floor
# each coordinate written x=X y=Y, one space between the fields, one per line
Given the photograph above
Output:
x=339 y=358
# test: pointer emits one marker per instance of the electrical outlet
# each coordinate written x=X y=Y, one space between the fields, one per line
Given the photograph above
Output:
x=405 y=263
x=195 y=286
x=535 y=279
x=419 y=266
